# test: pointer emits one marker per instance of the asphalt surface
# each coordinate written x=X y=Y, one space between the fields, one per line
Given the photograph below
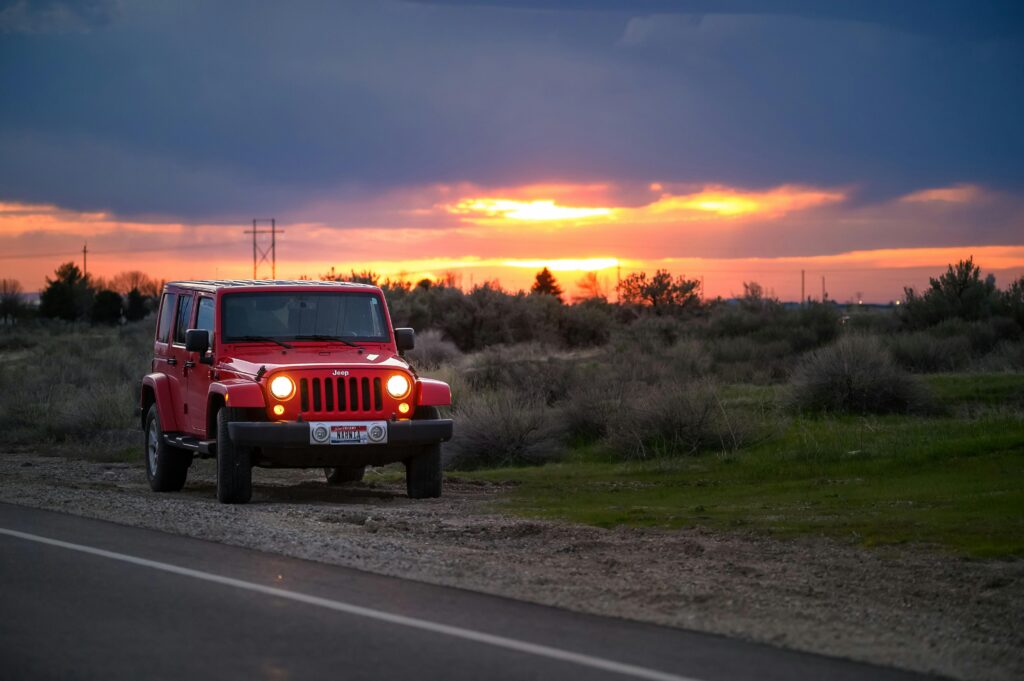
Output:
x=86 y=599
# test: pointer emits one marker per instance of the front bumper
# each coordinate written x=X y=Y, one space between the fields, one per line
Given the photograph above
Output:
x=294 y=434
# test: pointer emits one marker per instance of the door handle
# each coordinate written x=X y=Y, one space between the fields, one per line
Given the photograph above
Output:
x=189 y=364
x=172 y=361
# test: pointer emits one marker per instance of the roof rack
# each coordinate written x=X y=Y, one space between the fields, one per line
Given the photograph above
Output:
x=214 y=284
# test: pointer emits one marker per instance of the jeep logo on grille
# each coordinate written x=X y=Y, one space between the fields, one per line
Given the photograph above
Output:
x=339 y=372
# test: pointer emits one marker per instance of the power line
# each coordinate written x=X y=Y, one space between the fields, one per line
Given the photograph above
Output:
x=116 y=251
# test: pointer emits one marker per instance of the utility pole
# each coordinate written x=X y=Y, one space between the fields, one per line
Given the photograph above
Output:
x=803 y=296
x=824 y=294
x=260 y=254
x=85 y=260
x=702 y=288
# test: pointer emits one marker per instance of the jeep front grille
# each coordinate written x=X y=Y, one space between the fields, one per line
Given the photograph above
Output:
x=352 y=394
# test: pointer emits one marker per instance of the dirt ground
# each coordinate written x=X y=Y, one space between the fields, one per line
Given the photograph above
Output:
x=910 y=608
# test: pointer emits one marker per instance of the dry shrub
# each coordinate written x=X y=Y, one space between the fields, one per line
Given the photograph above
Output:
x=1007 y=356
x=649 y=334
x=77 y=386
x=503 y=428
x=586 y=324
x=743 y=359
x=688 y=358
x=432 y=351
x=528 y=368
x=856 y=374
x=588 y=406
x=922 y=352
x=672 y=419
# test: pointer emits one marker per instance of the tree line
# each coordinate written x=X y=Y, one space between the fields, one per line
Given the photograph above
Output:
x=488 y=315
x=72 y=296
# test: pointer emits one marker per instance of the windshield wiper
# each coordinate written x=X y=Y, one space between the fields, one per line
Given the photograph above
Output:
x=259 y=339
x=322 y=337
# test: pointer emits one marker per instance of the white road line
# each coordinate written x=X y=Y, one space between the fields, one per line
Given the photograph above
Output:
x=416 y=623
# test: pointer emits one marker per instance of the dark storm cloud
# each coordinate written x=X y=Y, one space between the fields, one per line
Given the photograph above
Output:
x=963 y=18
x=54 y=16
x=203 y=111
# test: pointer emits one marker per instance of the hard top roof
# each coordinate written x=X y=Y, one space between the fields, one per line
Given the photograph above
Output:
x=212 y=285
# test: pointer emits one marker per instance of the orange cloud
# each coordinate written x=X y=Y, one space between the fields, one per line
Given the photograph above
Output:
x=711 y=201
x=728 y=202
x=961 y=193
x=487 y=209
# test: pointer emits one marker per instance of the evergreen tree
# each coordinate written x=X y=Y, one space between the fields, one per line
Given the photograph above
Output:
x=106 y=308
x=135 y=307
x=545 y=284
x=67 y=296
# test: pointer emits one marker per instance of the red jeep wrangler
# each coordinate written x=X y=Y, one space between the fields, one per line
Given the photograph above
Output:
x=289 y=374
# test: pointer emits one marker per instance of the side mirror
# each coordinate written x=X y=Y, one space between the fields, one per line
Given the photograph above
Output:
x=197 y=340
x=405 y=339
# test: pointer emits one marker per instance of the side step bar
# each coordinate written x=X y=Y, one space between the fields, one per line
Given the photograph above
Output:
x=204 y=448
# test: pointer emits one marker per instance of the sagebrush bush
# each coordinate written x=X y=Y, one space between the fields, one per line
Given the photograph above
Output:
x=432 y=350
x=503 y=428
x=76 y=385
x=923 y=352
x=688 y=358
x=746 y=360
x=528 y=368
x=1007 y=356
x=856 y=374
x=670 y=420
x=590 y=402
x=650 y=333
x=587 y=324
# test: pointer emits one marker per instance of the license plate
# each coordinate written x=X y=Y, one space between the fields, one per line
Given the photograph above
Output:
x=349 y=435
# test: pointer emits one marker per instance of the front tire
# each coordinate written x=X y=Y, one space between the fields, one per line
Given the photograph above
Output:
x=166 y=466
x=423 y=471
x=234 y=464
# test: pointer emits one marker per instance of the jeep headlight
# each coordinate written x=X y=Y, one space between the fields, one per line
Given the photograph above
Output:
x=398 y=386
x=282 y=387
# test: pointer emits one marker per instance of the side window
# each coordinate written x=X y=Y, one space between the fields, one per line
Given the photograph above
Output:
x=163 y=329
x=204 y=318
x=184 y=317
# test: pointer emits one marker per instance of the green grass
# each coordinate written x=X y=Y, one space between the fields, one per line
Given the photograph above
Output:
x=955 y=483
x=984 y=389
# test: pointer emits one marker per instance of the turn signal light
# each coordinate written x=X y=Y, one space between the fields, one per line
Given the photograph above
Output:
x=403 y=408
x=278 y=409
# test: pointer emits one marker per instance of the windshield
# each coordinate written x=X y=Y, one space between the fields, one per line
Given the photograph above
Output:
x=303 y=315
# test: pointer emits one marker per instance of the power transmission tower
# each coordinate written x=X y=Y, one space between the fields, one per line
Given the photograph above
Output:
x=85 y=260
x=261 y=250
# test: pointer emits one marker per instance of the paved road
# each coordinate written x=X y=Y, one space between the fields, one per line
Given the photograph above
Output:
x=86 y=599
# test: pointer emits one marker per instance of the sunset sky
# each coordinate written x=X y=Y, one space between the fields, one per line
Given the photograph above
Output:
x=868 y=143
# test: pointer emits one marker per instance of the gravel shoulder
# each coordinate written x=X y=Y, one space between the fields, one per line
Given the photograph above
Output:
x=904 y=607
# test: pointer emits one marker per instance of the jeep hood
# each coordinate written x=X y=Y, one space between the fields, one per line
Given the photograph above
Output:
x=250 y=360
